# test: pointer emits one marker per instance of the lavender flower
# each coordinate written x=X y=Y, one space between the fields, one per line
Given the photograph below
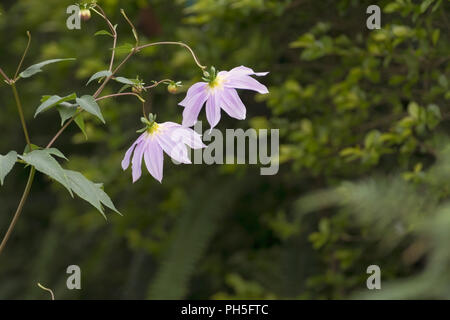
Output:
x=169 y=137
x=219 y=92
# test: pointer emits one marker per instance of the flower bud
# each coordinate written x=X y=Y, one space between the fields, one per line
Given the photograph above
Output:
x=172 y=88
x=85 y=14
x=136 y=89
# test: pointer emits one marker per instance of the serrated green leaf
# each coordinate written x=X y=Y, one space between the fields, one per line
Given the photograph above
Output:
x=98 y=75
x=6 y=164
x=36 y=68
x=53 y=101
x=89 y=191
x=43 y=161
x=89 y=104
x=103 y=33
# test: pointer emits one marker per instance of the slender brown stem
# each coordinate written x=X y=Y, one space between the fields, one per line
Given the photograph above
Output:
x=47 y=289
x=113 y=31
x=19 y=209
x=30 y=177
x=22 y=118
x=99 y=90
x=143 y=111
x=3 y=74
x=133 y=29
x=157 y=83
x=119 y=94
x=60 y=131
x=103 y=15
x=23 y=56
x=173 y=43
x=111 y=63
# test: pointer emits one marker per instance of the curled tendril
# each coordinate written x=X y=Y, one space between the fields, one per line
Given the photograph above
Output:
x=46 y=289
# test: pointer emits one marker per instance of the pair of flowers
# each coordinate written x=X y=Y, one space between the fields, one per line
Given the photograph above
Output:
x=218 y=91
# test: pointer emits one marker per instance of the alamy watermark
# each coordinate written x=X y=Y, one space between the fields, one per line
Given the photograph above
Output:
x=374 y=20
x=74 y=19
x=235 y=147
x=74 y=280
x=76 y=14
x=374 y=280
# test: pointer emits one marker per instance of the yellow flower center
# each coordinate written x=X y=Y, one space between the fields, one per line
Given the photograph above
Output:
x=153 y=128
x=217 y=82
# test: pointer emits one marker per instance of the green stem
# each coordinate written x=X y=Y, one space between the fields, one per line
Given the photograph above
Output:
x=173 y=43
x=120 y=94
x=22 y=118
x=23 y=56
x=25 y=194
x=60 y=131
x=100 y=89
x=47 y=289
x=158 y=83
x=135 y=34
x=113 y=32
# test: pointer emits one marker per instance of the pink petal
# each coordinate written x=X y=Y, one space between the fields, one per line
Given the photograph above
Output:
x=136 y=162
x=232 y=104
x=213 y=110
x=169 y=125
x=245 y=71
x=192 y=92
x=222 y=74
x=126 y=159
x=175 y=149
x=154 y=159
x=187 y=136
x=245 y=82
x=193 y=107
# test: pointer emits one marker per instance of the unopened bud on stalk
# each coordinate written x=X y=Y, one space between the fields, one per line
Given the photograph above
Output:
x=172 y=88
x=136 y=89
x=85 y=14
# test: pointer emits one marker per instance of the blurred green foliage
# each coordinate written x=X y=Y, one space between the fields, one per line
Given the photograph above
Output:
x=362 y=117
